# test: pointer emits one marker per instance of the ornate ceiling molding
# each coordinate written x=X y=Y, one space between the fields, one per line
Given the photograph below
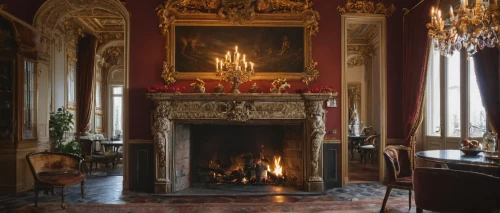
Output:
x=111 y=56
x=102 y=18
x=364 y=6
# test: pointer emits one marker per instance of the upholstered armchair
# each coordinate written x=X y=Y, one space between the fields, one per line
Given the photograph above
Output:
x=448 y=190
x=55 y=170
x=398 y=163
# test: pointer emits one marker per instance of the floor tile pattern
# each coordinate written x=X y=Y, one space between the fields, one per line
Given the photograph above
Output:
x=101 y=191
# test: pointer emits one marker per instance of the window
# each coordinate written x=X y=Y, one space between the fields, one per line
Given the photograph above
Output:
x=453 y=95
x=477 y=113
x=433 y=115
x=29 y=116
x=458 y=106
x=117 y=101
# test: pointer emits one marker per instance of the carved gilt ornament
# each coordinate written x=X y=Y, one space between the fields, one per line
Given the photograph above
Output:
x=364 y=6
x=363 y=53
x=293 y=13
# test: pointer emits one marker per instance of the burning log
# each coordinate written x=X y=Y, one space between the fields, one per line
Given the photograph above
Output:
x=261 y=172
x=208 y=169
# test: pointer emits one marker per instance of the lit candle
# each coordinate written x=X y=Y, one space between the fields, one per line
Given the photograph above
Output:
x=245 y=62
x=244 y=58
x=251 y=66
x=216 y=63
x=432 y=11
x=238 y=56
x=439 y=14
x=451 y=13
x=236 y=49
x=226 y=58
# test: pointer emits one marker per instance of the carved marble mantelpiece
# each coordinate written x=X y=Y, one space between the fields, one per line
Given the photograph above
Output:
x=196 y=107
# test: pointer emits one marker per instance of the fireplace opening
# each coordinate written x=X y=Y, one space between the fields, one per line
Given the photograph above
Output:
x=258 y=158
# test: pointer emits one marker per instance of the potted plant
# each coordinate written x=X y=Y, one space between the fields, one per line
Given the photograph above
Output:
x=59 y=123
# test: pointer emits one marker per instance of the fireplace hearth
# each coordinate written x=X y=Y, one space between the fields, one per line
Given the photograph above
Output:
x=233 y=142
x=256 y=155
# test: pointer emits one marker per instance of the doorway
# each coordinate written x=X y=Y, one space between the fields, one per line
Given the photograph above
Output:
x=109 y=22
x=363 y=96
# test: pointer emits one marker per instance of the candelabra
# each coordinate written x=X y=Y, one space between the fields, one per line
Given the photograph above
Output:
x=234 y=69
x=472 y=28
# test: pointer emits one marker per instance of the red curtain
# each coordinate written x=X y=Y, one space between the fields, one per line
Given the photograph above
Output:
x=84 y=81
x=415 y=50
x=487 y=68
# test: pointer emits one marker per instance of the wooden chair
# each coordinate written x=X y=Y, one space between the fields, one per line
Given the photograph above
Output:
x=448 y=190
x=55 y=170
x=92 y=157
x=369 y=148
x=398 y=165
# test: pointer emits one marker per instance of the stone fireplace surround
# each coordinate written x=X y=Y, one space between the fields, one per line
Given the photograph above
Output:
x=173 y=108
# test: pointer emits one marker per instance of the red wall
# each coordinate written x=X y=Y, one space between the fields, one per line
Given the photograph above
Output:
x=147 y=54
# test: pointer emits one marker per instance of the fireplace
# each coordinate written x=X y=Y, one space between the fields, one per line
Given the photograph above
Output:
x=222 y=139
x=214 y=156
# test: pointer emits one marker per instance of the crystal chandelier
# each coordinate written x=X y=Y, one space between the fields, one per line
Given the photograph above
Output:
x=471 y=28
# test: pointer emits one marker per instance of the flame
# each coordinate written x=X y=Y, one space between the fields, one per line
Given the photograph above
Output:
x=244 y=180
x=277 y=167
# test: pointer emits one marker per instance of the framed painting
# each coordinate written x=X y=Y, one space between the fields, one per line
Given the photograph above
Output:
x=274 y=35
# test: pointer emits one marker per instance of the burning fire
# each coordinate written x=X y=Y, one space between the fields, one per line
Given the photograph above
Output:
x=277 y=167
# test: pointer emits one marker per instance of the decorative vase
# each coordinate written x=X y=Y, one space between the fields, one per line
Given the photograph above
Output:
x=198 y=86
x=254 y=88
x=219 y=88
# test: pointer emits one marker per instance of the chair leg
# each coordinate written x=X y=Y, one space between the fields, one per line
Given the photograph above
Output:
x=409 y=200
x=63 y=205
x=387 y=193
x=82 y=188
x=36 y=197
x=420 y=210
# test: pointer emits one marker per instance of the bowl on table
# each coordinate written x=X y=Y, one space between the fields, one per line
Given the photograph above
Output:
x=470 y=147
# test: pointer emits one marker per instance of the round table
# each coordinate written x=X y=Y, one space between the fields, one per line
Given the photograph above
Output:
x=455 y=159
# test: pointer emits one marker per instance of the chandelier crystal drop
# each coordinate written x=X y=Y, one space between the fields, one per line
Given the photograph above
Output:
x=472 y=28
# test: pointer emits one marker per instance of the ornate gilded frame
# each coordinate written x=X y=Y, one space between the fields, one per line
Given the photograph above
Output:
x=241 y=13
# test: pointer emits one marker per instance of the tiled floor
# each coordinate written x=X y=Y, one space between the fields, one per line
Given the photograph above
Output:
x=102 y=189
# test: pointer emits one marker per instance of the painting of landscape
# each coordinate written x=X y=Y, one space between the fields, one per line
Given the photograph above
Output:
x=271 y=49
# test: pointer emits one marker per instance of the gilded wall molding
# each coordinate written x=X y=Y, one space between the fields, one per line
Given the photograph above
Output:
x=298 y=13
x=364 y=6
x=363 y=54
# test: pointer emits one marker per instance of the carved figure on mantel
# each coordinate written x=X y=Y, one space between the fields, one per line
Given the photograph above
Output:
x=198 y=86
x=279 y=85
x=316 y=119
x=160 y=128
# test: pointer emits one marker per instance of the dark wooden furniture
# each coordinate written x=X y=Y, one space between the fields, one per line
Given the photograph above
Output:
x=55 y=170
x=355 y=142
x=369 y=149
x=399 y=171
x=447 y=190
x=455 y=159
x=93 y=158
x=19 y=69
